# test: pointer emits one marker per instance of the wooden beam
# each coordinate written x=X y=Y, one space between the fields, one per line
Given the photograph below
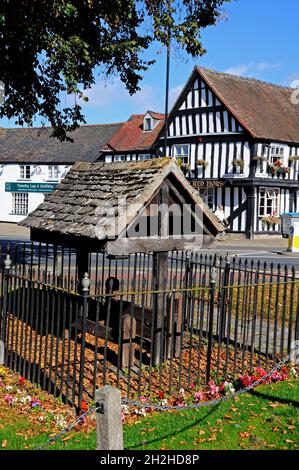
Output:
x=126 y=246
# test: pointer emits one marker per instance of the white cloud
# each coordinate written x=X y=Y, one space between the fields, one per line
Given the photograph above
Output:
x=174 y=93
x=104 y=95
x=252 y=68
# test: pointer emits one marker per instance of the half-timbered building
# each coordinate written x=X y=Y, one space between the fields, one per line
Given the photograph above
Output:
x=237 y=140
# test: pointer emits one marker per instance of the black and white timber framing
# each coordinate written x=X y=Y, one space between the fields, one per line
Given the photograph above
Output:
x=249 y=191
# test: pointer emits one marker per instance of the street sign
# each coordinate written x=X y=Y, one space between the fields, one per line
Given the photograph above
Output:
x=30 y=187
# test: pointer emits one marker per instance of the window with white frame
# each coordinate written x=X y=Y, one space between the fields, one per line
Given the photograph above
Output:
x=148 y=124
x=144 y=156
x=208 y=196
x=20 y=203
x=119 y=158
x=269 y=202
x=53 y=172
x=25 y=172
x=181 y=152
x=276 y=153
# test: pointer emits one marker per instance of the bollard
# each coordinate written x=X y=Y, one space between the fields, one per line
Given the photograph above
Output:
x=109 y=425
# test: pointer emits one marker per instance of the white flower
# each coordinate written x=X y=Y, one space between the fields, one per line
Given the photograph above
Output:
x=9 y=388
x=41 y=418
x=164 y=402
x=60 y=421
x=182 y=392
x=125 y=409
x=140 y=411
x=228 y=388
x=25 y=400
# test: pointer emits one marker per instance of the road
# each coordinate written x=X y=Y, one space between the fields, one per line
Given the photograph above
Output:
x=267 y=249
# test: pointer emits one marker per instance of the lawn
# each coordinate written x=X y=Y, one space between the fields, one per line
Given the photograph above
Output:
x=264 y=419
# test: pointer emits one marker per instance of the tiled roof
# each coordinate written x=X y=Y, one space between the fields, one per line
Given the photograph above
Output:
x=82 y=204
x=265 y=110
x=30 y=145
x=131 y=135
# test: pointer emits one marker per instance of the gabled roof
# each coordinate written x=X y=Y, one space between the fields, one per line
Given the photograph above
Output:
x=265 y=110
x=82 y=204
x=131 y=135
x=35 y=145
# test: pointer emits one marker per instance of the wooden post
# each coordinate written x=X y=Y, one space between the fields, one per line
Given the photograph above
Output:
x=128 y=332
x=160 y=272
x=109 y=425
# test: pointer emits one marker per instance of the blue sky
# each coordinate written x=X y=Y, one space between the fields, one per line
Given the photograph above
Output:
x=259 y=39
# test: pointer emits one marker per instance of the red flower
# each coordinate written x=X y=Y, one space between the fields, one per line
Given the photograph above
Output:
x=22 y=380
x=161 y=395
x=84 y=406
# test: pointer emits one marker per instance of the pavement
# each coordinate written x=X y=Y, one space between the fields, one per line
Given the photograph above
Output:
x=9 y=231
x=264 y=248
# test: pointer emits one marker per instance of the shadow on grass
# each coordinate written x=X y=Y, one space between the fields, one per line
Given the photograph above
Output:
x=269 y=397
x=174 y=433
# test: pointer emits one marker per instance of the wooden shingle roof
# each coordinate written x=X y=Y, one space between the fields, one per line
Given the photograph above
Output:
x=82 y=204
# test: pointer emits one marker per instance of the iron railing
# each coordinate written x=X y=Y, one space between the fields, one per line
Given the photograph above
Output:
x=221 y=318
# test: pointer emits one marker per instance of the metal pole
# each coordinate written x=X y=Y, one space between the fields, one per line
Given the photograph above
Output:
x=7 y=265
x=167 y=94
x=85 y=294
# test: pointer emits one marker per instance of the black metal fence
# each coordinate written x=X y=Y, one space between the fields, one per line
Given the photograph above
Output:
x=221 y=317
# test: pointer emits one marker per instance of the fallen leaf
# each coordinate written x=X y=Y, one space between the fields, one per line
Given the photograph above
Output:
x=201 y=432
x=274 y=405
x=4 y=443
x=67 y=438
x=244 y=435
x=289 y=441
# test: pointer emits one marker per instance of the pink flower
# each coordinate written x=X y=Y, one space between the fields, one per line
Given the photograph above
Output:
x=199 y=396
x=8 y=399
x=213 y=388
x=192 y=386
x=143 y=399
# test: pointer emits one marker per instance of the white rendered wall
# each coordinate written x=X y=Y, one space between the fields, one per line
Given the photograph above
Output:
x=10 y=173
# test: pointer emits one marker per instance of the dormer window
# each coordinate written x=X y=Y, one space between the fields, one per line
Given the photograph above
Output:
x=148 y=124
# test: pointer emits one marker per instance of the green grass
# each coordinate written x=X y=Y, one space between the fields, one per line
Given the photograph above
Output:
x=266 y=419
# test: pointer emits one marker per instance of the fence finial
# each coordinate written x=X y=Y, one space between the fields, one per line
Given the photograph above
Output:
x=213 y=274
x=86 y=282
x=7 y=262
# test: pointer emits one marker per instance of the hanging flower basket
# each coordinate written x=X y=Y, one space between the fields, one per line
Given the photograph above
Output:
x=278 y=167
x=270 y=220
x=202 y=163
x=239 y=164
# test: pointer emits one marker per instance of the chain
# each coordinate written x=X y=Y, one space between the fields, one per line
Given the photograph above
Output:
x=68 y=428
x=216 y=401
x=155 y=406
